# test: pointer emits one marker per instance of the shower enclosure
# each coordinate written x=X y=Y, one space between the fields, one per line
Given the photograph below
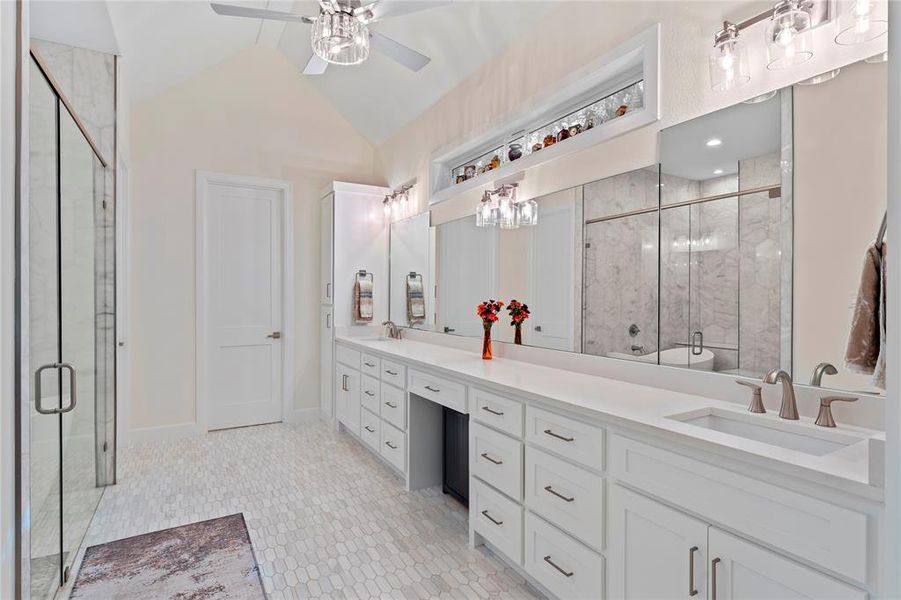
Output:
x=68 y=313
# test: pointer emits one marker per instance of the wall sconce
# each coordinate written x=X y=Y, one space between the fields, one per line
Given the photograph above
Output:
x=500 y=208
x=729 y=60
x=397 y=203
x=788 y=40
x=857 y=23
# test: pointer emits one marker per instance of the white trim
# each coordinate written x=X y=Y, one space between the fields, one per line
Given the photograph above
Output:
x=123 y=285
x=203 y=181
x=146 y=435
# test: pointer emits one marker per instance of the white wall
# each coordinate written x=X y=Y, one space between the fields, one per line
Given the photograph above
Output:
x=250 y=115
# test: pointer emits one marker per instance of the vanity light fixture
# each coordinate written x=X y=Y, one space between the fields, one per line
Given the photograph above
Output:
x=876 y=59
x=397 y=202
x=821 y=78
x=761 y=97
x=500 y=208
x=857 y=23
x=729 y=60
x=788 y=40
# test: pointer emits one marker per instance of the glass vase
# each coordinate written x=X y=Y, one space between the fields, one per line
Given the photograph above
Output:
x=517 y=334
x=486 y=343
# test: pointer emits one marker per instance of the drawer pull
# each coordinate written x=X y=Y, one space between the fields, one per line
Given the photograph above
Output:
x=390 y=445
x=713 y=564
x=368 y=393
x=369 y=429
x=558 y=436
x=492 y=411
x=490 y=518
x=692 y=590
x=369 y=364
x=390 y=372
x=548 y=560
x=390 y=405
x=486 y=456
x=431 y=389
x=551 y=490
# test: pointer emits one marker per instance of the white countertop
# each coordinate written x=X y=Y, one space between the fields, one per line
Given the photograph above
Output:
x=641 y=407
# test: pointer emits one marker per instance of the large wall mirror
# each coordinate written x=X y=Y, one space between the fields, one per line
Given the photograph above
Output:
x=740 y=252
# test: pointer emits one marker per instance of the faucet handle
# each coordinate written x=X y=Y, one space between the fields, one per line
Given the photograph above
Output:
x=824 y=417
x=756 y=405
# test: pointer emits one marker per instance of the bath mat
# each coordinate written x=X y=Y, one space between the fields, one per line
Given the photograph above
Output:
x=209 y=560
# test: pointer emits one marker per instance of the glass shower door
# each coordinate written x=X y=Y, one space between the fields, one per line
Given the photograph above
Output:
x=66 y=277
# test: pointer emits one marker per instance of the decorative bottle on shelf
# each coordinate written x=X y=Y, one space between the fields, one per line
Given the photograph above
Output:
x=514 y=152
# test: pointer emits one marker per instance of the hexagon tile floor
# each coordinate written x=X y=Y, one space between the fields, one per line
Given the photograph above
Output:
x=326 y=518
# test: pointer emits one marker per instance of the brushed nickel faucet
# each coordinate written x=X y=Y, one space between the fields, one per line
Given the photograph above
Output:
x=824 y=418
x=823 y=368
x=392 y=329
x=789 y=408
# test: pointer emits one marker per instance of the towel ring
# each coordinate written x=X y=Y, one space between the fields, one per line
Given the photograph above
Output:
x=363 y=274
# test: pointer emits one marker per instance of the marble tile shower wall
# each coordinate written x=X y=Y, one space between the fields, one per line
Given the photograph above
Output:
x=720 y=269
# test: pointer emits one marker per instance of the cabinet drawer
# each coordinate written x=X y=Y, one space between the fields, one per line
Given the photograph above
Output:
x=371 y=365
x=566 y=495
x=394 y=373
x=393 y=407
x=437 y=389
x=496 y=459
x=825 y=534
x=497 y=411
x=497 y=518
x=561 y=564
x=393 y=446
x=579 y=442
x=349 y=357
x=369 y=429
x=369 y=393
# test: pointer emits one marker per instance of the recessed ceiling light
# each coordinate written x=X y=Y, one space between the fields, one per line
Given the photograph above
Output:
x=714 y=142
x=718 y=172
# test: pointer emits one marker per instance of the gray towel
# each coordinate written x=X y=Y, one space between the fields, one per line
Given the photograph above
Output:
x=865 y=352
x=415 y=301
x=363 y=300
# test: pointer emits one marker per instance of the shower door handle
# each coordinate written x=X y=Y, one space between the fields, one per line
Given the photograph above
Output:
x=697 y=343
x=72 y=389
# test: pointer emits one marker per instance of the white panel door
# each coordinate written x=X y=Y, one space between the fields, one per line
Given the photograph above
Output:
x=741 y=570
x=655 y=552
x=326 y=249
x=243 y=297
x=468 y=274
x=553 y=279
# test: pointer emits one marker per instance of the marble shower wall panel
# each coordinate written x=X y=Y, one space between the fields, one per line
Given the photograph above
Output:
x=761 y=286
x=675 y=322
x=620 y=285
x=622 y=193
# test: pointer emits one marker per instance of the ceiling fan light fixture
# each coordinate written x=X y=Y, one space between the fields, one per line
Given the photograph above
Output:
x=340 y=38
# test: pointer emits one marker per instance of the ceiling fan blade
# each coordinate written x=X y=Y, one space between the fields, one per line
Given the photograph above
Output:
x=386 y=9
x=230 y=10
x=315 y=66
x=397 y=52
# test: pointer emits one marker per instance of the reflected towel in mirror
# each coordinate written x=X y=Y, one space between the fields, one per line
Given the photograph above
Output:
x=363 y=300
x=415 y=300
x=865 y=352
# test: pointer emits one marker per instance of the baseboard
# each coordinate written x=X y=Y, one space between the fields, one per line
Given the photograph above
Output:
x=162 y=433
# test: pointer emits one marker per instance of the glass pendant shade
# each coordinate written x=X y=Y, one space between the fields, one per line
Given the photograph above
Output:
x=340 y=38
x=788 y=39
x=729 y=61
x=858 y=22
x=507 y=215
x=486 y=214
x=528 y=213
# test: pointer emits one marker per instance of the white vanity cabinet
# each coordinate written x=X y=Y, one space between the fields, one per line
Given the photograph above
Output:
x=347 y=398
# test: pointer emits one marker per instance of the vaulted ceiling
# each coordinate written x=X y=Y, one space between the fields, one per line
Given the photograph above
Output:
x=166 y=42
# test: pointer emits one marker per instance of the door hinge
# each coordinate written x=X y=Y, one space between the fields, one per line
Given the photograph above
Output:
x=588 y=244
x=103 y=203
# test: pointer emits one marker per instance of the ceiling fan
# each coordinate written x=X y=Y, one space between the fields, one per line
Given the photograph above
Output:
x=341 y=34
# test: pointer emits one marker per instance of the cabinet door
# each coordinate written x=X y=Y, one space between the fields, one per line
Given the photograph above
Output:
x=740 y=570
x=352 y=418
x=341 y=394
x=327 y=364
x=654 y=551
x=326 y=251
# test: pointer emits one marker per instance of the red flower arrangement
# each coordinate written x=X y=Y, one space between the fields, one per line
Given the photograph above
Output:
x=519 y=312
x=487 y=311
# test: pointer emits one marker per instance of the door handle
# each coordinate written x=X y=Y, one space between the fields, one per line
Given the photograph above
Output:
x=692 y=590
x=497 y=413
x=328 y=320
x=73 y=396
x=697 y=343
x=713 y=564
x=487 y=457
x=565 y=573
x=550 y=490
x=275 y=335
x=449 y=329
x=328 y=290
x=558 y=436
x=490 y=518
x=344 y=383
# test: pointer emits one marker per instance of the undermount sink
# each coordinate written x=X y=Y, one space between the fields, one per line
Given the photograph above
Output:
x=791 y=435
